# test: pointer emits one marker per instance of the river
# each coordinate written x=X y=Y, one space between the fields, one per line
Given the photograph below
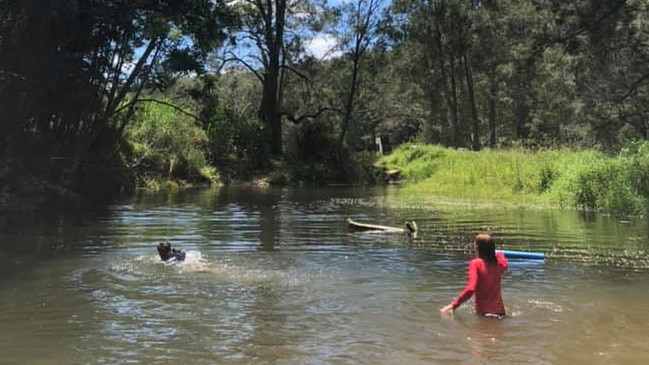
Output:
x=273 y=276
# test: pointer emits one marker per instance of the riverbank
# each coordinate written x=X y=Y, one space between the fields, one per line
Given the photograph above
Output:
x=562 y=178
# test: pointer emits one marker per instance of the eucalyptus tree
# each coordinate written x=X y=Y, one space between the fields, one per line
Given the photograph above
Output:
x=361 y=26
x=489 y=50
x=614 y=82
x=270 y=43
x=569 y=65
x=388 y=104
x=441 y=30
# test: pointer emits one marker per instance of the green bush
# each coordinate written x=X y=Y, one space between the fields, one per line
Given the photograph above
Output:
x=638 y=158
x=313 y=157
x=586 y=179
x=606 y=187
x=547 y=175
x=416 y=162
x=165 y=144
x=210 y=174
x=237 y=145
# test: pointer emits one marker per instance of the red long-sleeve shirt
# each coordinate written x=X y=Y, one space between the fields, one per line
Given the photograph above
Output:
x=484 y=282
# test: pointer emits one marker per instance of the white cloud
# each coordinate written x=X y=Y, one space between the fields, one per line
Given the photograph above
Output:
x=323 y=46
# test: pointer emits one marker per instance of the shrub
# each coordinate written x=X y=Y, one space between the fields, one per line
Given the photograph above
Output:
x=586 y=179
x=165 y=144
x=237 y=145
x=638 y=158
x=314 y=157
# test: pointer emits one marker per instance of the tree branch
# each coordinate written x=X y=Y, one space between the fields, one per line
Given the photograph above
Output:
x=295 y=71
x=125 y=88
x=301 y=118
x=633 y=87
x=161 y=102
x=540 y=48
x=247 y=65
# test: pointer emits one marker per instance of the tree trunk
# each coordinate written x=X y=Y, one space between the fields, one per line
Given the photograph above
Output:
x=449 y=94
x=270 y=108
x=475 y=134
x=457 y=135
x=520 y=110
x=349 y=104
x=493 y=94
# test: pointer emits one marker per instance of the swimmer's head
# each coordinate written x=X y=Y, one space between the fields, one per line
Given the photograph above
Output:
x=164 y=249
x=485 y=248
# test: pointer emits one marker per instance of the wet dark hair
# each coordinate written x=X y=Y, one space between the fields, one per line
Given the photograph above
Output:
x=164 y=249
x=486 y=248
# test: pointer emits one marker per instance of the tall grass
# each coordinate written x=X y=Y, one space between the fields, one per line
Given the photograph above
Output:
x=587 y=179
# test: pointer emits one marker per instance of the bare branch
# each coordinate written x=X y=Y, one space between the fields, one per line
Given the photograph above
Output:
x=541 y=48
x=634 y=87
x=295 y=71
x=301 y=118
x=125 y=88
x=247 y=65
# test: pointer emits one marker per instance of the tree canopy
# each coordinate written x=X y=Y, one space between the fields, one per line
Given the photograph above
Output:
x=460 y=73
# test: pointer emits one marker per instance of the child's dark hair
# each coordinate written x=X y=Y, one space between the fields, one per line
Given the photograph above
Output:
x=164 y=249
x=486 y=248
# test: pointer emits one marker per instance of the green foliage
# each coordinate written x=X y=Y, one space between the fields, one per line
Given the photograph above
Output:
x=416 y=162
x=314 y=158
x=637 y=155
x=527 y=73
x=71 y=74
x=547 y=175
x=237 y=145
x=166 y=144
x=586 y=179
x=602 y=186
x=311 y=153
x=210 y=174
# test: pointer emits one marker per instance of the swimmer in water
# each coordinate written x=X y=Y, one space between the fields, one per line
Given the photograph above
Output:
x=485 y=272
x=170 y=254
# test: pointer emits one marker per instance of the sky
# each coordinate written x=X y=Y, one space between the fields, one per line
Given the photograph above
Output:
x=320 y=45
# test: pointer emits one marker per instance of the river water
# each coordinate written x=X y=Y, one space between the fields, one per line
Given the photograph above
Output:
x=273 y=276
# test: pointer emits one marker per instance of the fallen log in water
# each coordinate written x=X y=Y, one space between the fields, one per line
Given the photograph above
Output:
x=410 y=227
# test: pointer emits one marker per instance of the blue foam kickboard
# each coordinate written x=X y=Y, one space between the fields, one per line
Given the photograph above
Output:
x=522 y=255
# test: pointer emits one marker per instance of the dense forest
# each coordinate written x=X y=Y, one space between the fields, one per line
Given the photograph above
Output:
x=103 y=96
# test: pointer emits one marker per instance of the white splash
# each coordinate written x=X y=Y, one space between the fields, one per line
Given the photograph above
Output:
x=546 y=305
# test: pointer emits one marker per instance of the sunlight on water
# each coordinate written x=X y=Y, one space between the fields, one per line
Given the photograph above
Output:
x=274 y=277
x=562 y=236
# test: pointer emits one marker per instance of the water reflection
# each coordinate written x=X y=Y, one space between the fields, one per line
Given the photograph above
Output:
x=273 y=276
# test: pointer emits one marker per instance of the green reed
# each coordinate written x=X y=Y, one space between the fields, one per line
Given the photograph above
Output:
x=585 y=179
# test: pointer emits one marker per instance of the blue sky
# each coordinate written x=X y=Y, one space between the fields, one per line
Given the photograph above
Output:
x=320 y=45
x=324 y=45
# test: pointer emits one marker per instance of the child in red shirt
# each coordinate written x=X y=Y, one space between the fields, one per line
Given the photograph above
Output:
x=485 y=272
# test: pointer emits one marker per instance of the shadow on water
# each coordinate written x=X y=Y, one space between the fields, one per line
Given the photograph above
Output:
x=585 y=238
x=261 y=218
x=274 y=276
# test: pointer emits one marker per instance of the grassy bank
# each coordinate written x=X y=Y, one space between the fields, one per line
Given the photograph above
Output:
x=587 y=179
